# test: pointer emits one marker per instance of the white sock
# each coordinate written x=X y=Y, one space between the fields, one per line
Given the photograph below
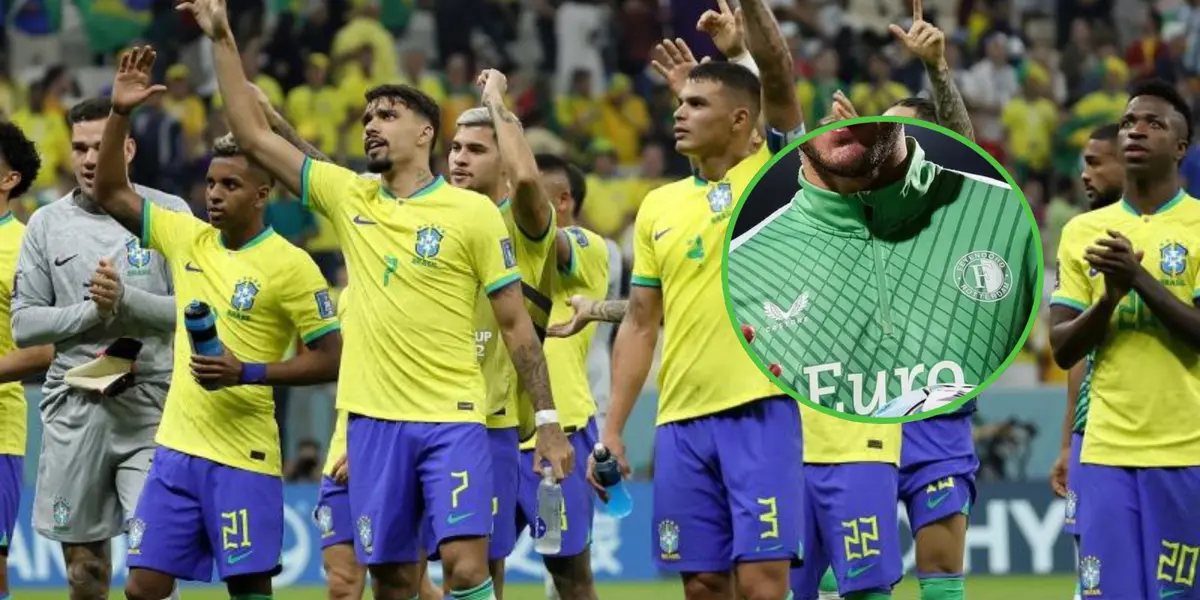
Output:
x=828 y=596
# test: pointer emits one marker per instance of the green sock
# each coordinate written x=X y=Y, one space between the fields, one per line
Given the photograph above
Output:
x=868 y=596
x=942 y=588
x=483 y=591
x=828 y=582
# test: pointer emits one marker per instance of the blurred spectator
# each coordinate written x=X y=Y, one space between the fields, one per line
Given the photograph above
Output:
x=358 y=77
x=1075 y=55
x=1029 y=121
x=580 y=26
x=1143 y=54
x=624 y=119
x=252 y=65
x=414 y=71
x=305 y=467
x=1105 y=105
x=639 y=29
x=187 y=108
x=365 y=29
x=461 y=93
x=606 y=211
x=988 y=86
x=49 y=129
x=578 y=110
x=11 y=94
x=289 y=218
x=879 y=91
x=816 y=90
x=316 y=108
x=161 y=158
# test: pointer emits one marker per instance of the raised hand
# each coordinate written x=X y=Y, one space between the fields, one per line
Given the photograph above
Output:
x=725 y=28
x=581 y=316
x=493 y=85
x=132 y=86
x=842 y=108
x=675 y=63
x=210 y=15
x=926 y=42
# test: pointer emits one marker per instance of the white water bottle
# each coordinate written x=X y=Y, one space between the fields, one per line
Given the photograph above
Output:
x=548 y=530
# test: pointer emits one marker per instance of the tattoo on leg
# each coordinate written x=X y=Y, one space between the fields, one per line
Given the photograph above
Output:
x=89 y=570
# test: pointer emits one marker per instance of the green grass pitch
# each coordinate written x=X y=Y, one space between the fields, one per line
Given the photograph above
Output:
x=978 y=588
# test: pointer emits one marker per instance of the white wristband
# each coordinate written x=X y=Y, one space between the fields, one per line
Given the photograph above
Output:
x=545 y=417
x=745 y=60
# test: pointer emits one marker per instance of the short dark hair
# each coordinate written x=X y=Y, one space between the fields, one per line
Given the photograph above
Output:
x=414 y=100
x=1163 y=90
x=552 y=163
x=21 y=155
x=92 y=109
x=733 y=76
x=226 y=146
x=1106 y=133
x=923 y=107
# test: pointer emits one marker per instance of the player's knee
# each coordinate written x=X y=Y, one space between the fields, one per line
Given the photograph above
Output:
x=346 y=581
x=141 y=589
x=762 y=588
x=88 y=577
x=572 y=577
x=702 y=586
x=465 y=563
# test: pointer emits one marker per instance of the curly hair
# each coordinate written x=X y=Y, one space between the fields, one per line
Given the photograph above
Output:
x=21 y=155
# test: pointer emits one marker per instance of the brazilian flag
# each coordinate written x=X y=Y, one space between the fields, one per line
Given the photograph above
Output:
x=112 y=25
x=33 y=17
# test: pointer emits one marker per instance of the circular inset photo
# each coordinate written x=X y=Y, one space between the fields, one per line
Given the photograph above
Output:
x=883 y=269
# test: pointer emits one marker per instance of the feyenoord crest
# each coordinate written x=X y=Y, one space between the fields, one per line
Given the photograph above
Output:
x=137 y=530
x=323 y=516
x=365 y=536
x=668 y=538
x=62 y=513
x=983 y=276
x=1089 y=572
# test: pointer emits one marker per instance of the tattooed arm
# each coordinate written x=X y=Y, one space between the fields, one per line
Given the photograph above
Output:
x=948 y=101
x=289 y=133
x=770 y=51
x=588 y=311
x=531 y=206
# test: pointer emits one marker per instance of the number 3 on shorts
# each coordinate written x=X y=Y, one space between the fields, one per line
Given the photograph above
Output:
x=861 y=533
x=770 y=516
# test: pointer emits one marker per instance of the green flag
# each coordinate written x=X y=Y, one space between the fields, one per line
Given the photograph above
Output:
x=113 y=24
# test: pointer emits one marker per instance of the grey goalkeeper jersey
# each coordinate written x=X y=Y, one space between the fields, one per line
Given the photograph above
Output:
x=64 y=242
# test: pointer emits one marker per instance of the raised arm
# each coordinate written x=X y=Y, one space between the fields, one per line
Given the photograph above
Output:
x=246 y=121
x=131 y=88
x=767 y=46
x=928 y=43
x=531 y=207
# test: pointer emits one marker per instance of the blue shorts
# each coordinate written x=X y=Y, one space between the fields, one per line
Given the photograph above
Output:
x=332 y=514
x=1069 y=525
x=578 y=496
x=12 y=473
x=729 y=487
x=850 y=524
x=1139 y=535
x=193 y=510
x=506 y=461
x=407 y=472
x=937 y=469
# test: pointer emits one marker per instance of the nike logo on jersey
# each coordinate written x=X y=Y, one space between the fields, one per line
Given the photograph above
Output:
x=933 y=502
x=192 y=268
x=360 y=220
x=234 y=559
x=453 y=519
x=853 y=572
x=658 y=234
x=58 y=262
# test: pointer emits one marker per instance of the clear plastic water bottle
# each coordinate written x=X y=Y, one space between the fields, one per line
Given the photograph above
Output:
x=608 y=474
x=201 y=326
x=548 y=530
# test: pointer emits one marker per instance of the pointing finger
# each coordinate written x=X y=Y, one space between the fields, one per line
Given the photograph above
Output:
x=917 y=11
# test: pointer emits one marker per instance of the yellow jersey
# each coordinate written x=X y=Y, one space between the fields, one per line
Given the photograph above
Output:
x=337 y=441
x=262 y=295
x=1030 y=125
x=318 y=115
x=535 y=263
x=12 y=395
x=830 y=440
x=418 y=265
x=1145 y=381
x=679 y=239
x=566 y=358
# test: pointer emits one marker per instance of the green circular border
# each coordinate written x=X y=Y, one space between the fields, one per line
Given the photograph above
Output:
x=908 y=121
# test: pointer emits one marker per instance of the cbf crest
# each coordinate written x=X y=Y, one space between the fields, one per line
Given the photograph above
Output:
x=323 y=517
x=668 y=539
x=720 y=197
x=137 y=257
x=1089 y=574
x=366 y=536
x=1072 y=504
x=429 y=242
x=136 y=531
x=1172 y=259
x=62 y=513
x=244 y=293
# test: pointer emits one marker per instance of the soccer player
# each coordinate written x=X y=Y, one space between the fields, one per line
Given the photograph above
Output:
x=1103 y=180
x=1126 y=296
x=82 y=282
x=412 y=385
x=215 y=489
x=717 y=506
x=19 y=165
x=489 y=155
